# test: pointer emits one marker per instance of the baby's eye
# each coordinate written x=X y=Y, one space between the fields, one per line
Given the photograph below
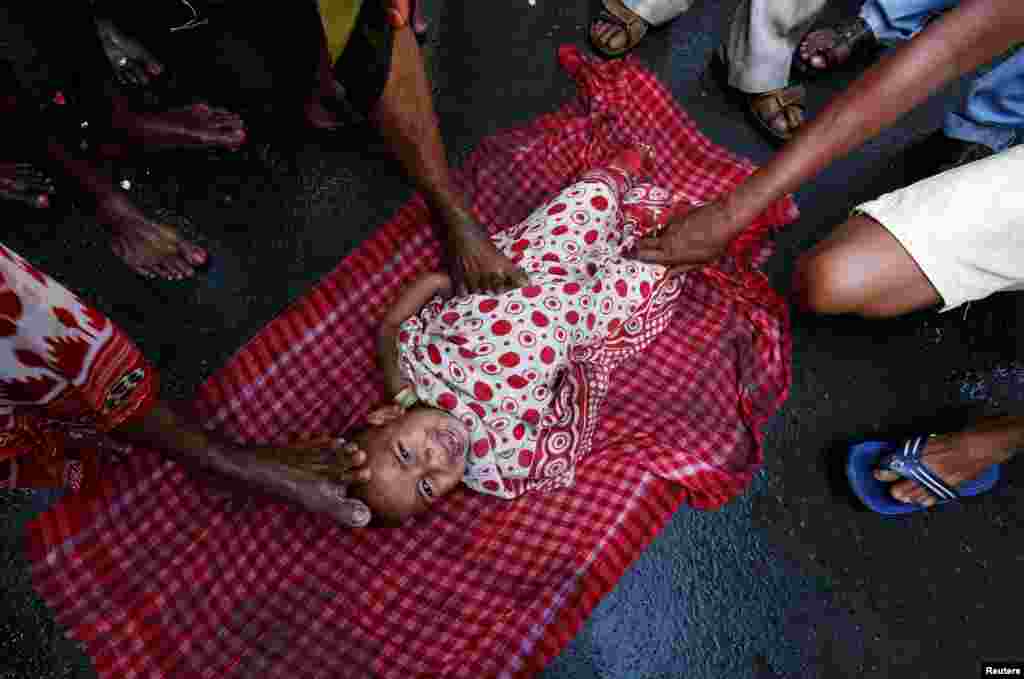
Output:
x=404 y=456
x=427 y=489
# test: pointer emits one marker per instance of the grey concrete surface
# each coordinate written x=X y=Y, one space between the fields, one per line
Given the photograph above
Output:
x=791 y=580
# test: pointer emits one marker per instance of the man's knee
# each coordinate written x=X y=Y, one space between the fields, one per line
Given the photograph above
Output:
x=825 y=283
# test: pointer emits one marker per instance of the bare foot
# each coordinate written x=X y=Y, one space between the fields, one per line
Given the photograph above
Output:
x=148 y=248
x=195 y=126
x=959 y=457
x=132 y=63
x=314 y=474
x=475 y=264
x=24 y=183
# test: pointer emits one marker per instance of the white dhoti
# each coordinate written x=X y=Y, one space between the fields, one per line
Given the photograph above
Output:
x=964 y=228
x=762 y=39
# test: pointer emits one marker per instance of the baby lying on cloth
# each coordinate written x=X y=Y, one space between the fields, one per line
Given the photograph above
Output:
x=501 y=392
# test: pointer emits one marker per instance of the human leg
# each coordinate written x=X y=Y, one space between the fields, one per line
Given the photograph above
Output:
x=993 y=110
x=147 y=247
x=623 y=23
x=895 y=21
x=961 y=456
x=988 y=120
x=66 y=374
x=861 y=269
x=74 y=387
x=762 y=37
x=952 y=238
x=196 y=126
x=879 y=21
x=65 y=88
x=759 y=53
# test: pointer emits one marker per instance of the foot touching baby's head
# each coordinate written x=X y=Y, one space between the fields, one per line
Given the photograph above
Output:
x=414 y=456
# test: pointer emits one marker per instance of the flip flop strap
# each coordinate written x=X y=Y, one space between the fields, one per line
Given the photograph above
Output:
x=908 y=464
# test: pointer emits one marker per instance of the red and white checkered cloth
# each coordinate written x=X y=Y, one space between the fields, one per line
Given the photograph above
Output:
x=160 y=574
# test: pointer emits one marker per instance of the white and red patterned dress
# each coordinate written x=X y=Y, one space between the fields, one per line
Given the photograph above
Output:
x=526 y=370
x=67 y=375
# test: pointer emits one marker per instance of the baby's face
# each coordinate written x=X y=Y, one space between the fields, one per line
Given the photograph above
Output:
x=414 y=460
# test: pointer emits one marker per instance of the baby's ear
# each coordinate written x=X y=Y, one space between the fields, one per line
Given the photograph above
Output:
x=384 y=414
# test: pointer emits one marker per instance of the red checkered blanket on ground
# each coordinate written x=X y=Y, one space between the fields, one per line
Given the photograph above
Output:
x=159 y=574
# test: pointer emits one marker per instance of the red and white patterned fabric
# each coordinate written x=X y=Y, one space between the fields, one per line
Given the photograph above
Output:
x=66 y=375
x=497 y=361
x=160 y=574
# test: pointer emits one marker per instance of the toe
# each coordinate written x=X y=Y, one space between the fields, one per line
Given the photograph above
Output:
x=778 y=124
x=144 y=269
x=618 y=40
x=225 y=117
x=921 y=496
x=163 y=271
x=178 y=267
x=886 y=475
x=231 y=123
x=903 y=491
x=603 y=32
x=194 y=255
x=132 y=259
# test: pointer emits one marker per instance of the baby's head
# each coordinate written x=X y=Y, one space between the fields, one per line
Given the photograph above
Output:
x=414 y=456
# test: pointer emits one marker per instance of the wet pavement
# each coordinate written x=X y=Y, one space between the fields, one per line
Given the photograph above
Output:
x=791 y=580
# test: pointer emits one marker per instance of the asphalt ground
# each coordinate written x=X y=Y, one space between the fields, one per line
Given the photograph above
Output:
x=794 y=579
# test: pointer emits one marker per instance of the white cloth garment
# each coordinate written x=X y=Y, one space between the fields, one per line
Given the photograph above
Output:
x=762 y=39
x=762 y=36
x=657 y=12
x=964 y=227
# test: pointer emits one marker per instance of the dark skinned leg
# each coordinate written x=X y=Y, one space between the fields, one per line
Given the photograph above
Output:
x=182 y=438
x=861 y=269
x=406 y=118
x=149 y=248
x=962 y=456
x=197 y=126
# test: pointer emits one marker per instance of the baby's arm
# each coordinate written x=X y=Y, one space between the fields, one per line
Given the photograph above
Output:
x=409 y=302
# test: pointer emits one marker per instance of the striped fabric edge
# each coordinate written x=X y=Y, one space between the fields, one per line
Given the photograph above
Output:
x=657 y=503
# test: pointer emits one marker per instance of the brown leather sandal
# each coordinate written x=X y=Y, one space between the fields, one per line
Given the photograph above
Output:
x=763 y=108
x=785 y=103
x=633 y=26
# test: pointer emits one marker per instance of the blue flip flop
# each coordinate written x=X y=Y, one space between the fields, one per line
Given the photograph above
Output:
x=905 y=460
